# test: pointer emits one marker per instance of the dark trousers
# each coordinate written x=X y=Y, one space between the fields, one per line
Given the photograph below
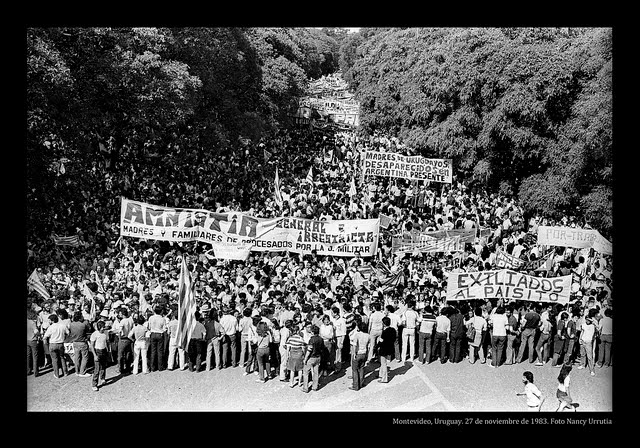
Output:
x=455 y=349
x=497 y=349
x=440 y=346
x=125 y=352
x=57 y=359
x=527 y=339
x=264 y=367
x=230 y=345
x=604 y=354
x=542 y=348
x=195 y=354
x=156 y=348
x=100 y=368
x=357 y=367
x=424 y=347
x=33 y=361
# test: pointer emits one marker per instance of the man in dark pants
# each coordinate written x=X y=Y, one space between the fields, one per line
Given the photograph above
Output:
x=125 y=351
x=195 y=344
x=500 y=324
x=360 y=347
x=230 y=325
x=528 y=335
x=443 y=328
x=456 y=335
x=157 y=326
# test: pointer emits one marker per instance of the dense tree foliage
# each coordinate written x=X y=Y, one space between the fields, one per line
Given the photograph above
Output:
x=527 y=111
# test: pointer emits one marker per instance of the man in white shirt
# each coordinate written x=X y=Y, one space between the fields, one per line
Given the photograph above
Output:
x=341 y=331
x=605 y=327
x=230 y=325
x=443 y=328
x=54 y=337
x=587 y=336
x=375 y=328
x=500 y=324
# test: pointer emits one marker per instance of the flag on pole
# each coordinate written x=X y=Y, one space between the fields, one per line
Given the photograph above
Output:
x=89 y=295
x=277 y=193
x=309 y=178
x=34 y=283
x=73 y=241
x=186 y=306
x=352 y=189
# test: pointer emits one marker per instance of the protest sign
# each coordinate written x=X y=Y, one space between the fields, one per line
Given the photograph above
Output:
x=389 y=164
x=507 y=284
x=415 y=238
x=385 y=221
x=505 y=260
x=340 y=238
x=450 y=244
x=574 y=237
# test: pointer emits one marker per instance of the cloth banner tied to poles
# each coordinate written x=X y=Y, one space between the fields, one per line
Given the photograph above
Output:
x=507 y=284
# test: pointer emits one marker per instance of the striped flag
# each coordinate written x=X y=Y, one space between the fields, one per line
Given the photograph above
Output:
x=352 y=189
x=66 y=240
x=309 y=178
x=277 y=193
x=388 y=279
x=34 y=283
x=186 y=306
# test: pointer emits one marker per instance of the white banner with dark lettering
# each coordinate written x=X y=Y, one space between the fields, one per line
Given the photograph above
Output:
x=389 y=164
x=341 y=238
x=507 y=284
x=572 y=237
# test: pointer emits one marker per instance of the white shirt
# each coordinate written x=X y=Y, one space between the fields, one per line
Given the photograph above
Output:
x=500 y=323
x=588 y=330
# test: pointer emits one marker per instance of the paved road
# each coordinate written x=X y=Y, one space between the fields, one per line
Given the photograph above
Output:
x=435 y=387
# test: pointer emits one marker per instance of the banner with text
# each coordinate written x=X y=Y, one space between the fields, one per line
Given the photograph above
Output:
x=452 y=244
x=572 y=237
x=390 y=164
x=339 y=238
x=507 y=284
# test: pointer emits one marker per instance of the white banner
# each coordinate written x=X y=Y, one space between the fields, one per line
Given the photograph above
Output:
x=576 y=238
x=507 y=284
x=389 y=164
x=342 y=238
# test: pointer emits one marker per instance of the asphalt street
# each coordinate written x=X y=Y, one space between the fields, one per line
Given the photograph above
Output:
x=434 y=387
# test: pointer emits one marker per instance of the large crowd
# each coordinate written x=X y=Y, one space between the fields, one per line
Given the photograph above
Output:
x=283 y=315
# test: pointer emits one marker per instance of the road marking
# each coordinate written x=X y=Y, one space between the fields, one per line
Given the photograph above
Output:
x=436 y=391
x=420 y=404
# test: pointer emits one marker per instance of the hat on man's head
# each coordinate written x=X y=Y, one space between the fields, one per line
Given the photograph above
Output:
x=104 y=313
x=71 y=301
x=56 y=271
x=205 y=308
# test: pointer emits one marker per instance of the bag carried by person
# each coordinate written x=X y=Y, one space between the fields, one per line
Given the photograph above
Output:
x=471 y=332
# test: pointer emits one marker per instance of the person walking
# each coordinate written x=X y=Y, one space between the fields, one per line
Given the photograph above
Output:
x=425 y=335
x=98 y=345
x=562 y=393
x=312 y=359
x=79 y=333
x=386 y=349
x=138 y=335
x=531 y=391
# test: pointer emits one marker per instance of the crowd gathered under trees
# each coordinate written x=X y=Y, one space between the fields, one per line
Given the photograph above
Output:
x=522 y=158
x=136 y=280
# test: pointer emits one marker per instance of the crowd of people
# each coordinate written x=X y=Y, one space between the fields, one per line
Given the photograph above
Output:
x=295 y=318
